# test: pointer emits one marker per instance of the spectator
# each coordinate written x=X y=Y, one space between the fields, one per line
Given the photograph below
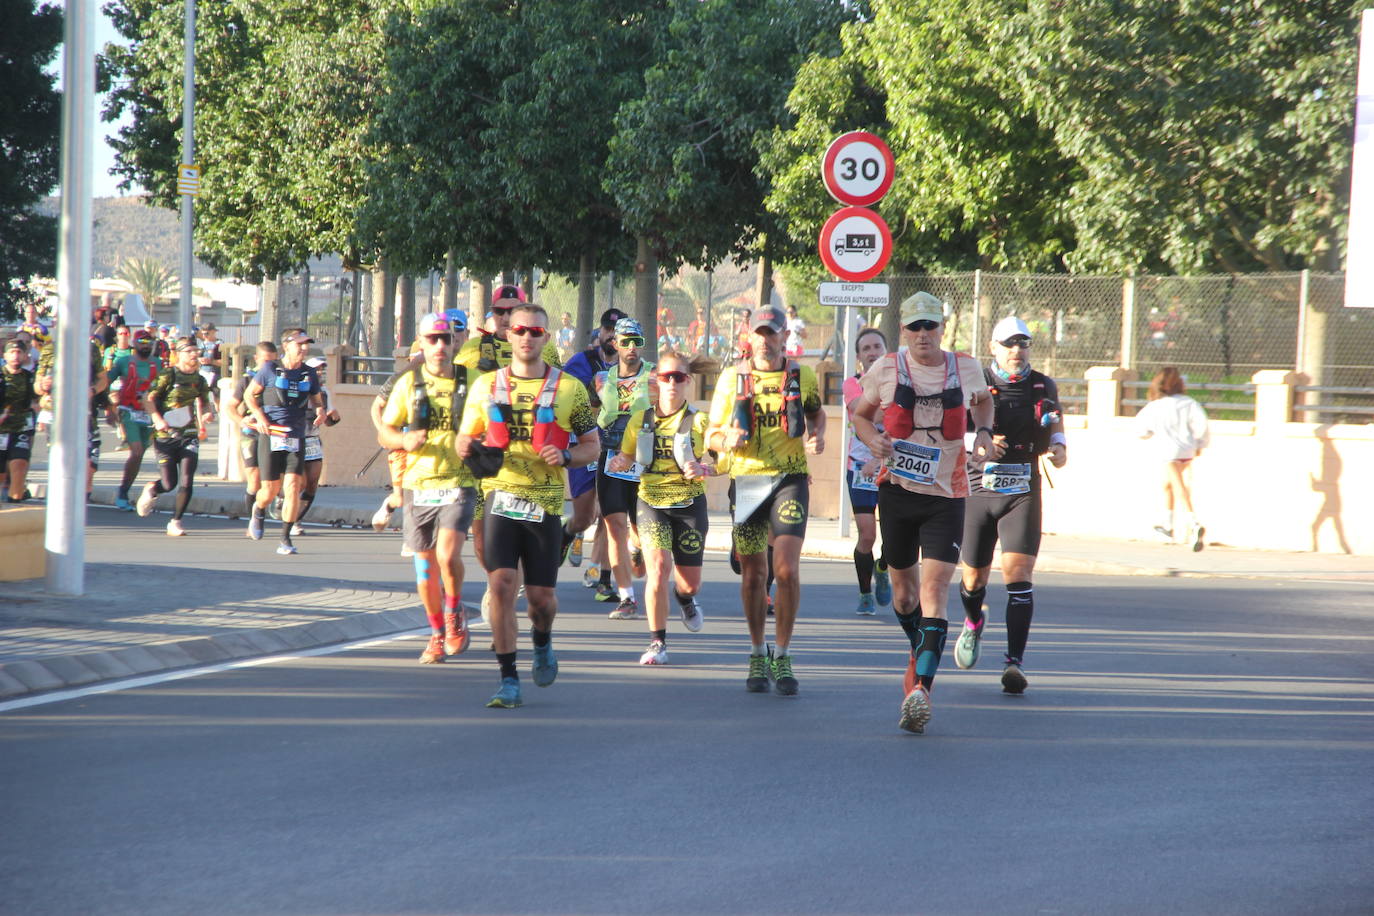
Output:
x=567 y=339
x=795 y=343
x=1178 y=426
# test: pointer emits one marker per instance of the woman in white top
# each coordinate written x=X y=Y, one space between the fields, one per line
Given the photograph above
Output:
x=795 y=344
x=1178 y=427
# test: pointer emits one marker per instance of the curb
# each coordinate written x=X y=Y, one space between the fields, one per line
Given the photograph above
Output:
x=58 y=672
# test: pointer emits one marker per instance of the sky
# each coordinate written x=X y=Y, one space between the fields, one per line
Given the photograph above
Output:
x=105 y=184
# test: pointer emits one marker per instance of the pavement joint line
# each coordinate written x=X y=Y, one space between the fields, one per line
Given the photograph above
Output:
x=59 y=695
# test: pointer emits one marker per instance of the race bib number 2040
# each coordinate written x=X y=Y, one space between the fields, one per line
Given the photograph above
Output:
x=916 y=463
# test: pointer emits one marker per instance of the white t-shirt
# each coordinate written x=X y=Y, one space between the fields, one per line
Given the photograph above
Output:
x=1176 y=425
x=795 y=329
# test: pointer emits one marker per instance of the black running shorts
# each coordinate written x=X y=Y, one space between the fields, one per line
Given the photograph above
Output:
x=912 y=522
x=1015 y=520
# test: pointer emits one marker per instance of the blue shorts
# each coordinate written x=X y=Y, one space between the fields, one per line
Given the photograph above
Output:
x=863 y=502
x=580 y=480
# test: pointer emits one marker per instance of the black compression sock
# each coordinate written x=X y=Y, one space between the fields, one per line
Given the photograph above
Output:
x=661 y=636
x=286 y=532
x=973 y=603
x=307 y=500
x=1020 y=609
x=507 y=662
x=183 y=500
x=249 y=500
x=863 y=567
x=606 y=574
x=540 y=637
x=682 y=600
x=933 y=631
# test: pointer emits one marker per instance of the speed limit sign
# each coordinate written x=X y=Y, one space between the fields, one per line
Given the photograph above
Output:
x=858 y=168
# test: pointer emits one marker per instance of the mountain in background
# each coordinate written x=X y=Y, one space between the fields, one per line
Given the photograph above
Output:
x=127 y=227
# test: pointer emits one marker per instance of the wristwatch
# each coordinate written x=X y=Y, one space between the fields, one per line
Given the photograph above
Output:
x=984 y=429
x=567 y=457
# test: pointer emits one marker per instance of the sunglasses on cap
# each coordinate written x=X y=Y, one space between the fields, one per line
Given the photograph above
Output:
x=923 y=325
x=675 y=377
x=1023 y=342
x=630 y=341
x=524 y=330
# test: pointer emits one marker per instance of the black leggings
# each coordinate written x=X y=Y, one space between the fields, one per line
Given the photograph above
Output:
x=178 y=457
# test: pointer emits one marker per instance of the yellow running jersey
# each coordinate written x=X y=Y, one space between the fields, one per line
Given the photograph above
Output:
x=662 y=483
x=523 y=473
x=436 y=465
x=770 y=450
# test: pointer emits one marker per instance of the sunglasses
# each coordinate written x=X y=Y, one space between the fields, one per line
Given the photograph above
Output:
x=631 y=341
x=676 y=378
x=522 y=330
x=1022 y=342
x=923 y=325
x=439 y=338
x=502 y=309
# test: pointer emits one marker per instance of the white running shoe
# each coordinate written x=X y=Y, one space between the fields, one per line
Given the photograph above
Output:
x=382 y=515
x=286 y=550
x=915 y=711
x=296 y=529
x=657 y=654
x=145 y=501
x=692 y=617
x=174 y=528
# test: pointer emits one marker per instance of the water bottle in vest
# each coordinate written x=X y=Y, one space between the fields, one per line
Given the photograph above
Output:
x=793 y=417
x=644 y=444
x=742 y=416
x=419 y=408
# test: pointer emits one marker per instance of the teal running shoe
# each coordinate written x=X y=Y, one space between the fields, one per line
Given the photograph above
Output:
x=966 y=648
x=545 y=667
x=882 y=587
x=508 y=697
x=868 y=606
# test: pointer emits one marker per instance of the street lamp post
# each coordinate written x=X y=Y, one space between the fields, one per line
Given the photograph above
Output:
x=188 y=158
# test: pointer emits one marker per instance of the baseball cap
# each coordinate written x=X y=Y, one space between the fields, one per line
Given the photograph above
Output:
x=1010 y=327
x=610 y=317
x=297 y=335
x=922 y=306
x=316 y=362
x=771 y=317
x=14 y=343
x=457 y=319
x=435 y=323
x=208 y=327
x=628 y=327
x=164 y=327
x=143 y=334
x=507 y=291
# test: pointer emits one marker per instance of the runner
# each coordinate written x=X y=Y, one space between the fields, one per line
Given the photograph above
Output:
x=421 y=414
x=585 y=366
x=237 y=411
x=396 y=458
x=122 y=346
x=211 y=355
x=528 y=410
x=766 y=413
x=134 y=374
x=97 y=401
x=875 y=587
x=314 y=448
x=924 y=395
x=280 y=397
x=179 y=405
x=491 y=348
x=1005 y=497
x=18 y=407
x=668 y=442
x=626 y=390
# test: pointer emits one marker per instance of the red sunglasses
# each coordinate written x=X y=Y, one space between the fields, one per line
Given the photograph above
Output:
x=674 y=377
x=522 y=330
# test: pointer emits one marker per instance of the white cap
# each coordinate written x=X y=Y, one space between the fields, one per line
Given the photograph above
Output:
x=315 y=362
x=1010 y=327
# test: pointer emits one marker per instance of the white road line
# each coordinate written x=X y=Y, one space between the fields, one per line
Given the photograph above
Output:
x=58 y=696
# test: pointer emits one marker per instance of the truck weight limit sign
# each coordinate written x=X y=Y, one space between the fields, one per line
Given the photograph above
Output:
x=857 y=168
x=855 y=244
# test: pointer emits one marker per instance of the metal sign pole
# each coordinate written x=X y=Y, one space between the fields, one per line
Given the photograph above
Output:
x=848 y=363
x=188 y=157
x=65 y=535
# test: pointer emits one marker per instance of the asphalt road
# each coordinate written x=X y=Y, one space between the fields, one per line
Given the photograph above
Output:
x=1186 y=746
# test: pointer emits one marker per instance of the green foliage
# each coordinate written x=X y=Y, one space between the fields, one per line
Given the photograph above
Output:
x=148 y=277
x=30 y=125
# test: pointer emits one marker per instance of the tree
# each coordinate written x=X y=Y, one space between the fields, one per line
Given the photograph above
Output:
x=30 y=131
x=148 y=277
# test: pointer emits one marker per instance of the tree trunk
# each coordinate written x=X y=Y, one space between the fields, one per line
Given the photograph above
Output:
x=646 y=297
x=763 y=290
x=586 y=300
x=479 y=302
x=406 y=310
x=382 y=311
x=450 y=287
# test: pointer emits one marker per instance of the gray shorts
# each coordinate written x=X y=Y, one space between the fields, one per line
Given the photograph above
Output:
x=423 y=523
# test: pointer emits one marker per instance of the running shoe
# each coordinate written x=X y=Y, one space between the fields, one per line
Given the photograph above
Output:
x=286 y=550
x=382 y=515
x=627 y=609
x=784 y=682
x=508 y=697
x=757 y=682
x=455 y=632
x=545 y=667
x=434 y=650
x=1165 y=532
x=966 y=648
x=296 y=529
x=915 y=711
x=1013 y=679
x=575 y=551
x=406 y=552
x=591 y=576
x=692 y=617
x=145 y=501
x=1195 y=533
x=122 y=503
x=657 y=654
x=606 y=592
x=174 y=529
x=255 y=526
x=882 y=587
x=637 y=563
x=868 y=605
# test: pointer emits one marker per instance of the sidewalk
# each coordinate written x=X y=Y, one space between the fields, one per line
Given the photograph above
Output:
x=48 y=643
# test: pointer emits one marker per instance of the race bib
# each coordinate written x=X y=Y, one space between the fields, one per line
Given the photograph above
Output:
x=751 y=492
x=508 y=505
x=916 y=463
x=632 y=475
x=4 y=441
x=314 y=449
x=177 y=416
x=138 y=416
x=285 y=443
x=861 y=481
x=445 y=496
x=1007 y=479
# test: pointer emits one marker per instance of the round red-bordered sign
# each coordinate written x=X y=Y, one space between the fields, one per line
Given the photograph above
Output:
x=858 y=168
x=855 y=244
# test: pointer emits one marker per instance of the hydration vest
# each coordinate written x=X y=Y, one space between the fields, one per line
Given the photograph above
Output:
x=899 y=417
x=419 y=397
x=133 y=389
x=1023 y=411
x=793 y=415
x=544 y=431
